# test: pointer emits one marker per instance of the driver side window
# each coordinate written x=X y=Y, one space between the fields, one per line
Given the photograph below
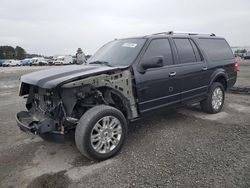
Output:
x=160 y=47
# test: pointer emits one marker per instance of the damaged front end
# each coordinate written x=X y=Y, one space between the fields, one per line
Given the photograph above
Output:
x=45 y=115
x=53 y=112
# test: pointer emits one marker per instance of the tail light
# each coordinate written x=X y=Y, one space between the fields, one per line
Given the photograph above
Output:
x=236 y=68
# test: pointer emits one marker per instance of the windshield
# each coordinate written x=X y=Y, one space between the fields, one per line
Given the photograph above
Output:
x=118 y=52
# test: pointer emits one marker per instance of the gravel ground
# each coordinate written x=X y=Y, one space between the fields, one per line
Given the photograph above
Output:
x=170 y=148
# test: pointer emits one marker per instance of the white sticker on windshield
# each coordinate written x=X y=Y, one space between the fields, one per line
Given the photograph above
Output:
x=129 y=45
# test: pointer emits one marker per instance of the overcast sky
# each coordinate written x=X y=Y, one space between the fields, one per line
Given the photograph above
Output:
x=61 y=26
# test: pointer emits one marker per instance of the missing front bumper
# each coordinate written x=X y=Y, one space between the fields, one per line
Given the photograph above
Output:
x=27 y=122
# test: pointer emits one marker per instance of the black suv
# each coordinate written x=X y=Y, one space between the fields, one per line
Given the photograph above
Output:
x=125 y=79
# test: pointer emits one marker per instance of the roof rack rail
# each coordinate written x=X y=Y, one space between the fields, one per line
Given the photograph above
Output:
x=162 y=33
x=182 y=33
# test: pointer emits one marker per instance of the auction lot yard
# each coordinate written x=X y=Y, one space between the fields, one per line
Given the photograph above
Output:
x=171 y=148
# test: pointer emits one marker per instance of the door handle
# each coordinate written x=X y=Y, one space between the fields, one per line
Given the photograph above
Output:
x=171 y=74
x=204 y=69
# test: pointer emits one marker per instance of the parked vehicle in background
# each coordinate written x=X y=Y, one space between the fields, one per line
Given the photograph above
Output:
x=26 y=62
x=51 y=61
x=11 y=63
x=74 y=60
x=246 y=55
x=63 y=60
x=39 y=61
x=123 y=81
x=240 y=52
x=1 y=62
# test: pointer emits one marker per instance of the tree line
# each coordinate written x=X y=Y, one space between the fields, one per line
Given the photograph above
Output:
x=9 y=52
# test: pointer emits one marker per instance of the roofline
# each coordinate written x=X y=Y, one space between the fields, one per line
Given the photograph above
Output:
x=172 y=33
x=182 y=33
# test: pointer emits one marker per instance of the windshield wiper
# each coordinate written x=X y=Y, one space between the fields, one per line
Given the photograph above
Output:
x=101 y=63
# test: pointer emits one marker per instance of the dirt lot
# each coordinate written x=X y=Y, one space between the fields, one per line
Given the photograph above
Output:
x=171 y=148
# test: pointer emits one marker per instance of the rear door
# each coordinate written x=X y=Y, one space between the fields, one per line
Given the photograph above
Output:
x=158 y=87
x=192 y=68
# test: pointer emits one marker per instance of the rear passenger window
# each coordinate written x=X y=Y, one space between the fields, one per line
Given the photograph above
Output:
x=160 y=47
x=185 y=50
x=216 y=49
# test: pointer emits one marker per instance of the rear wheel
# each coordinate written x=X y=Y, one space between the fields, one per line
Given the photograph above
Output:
x=101 y=132
x=215 y=100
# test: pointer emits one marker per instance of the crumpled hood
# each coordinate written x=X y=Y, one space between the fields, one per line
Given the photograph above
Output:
x=50 y=78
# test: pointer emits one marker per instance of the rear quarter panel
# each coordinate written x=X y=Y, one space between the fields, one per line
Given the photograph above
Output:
x=219 y=67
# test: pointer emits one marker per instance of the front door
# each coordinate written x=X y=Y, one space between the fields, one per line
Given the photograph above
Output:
x=160 y=86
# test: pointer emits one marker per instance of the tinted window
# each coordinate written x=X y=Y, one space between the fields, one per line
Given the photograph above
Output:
x=119 y=52
x=185 y=50
x=216 y=49
x=160 y=47
x=196 y=51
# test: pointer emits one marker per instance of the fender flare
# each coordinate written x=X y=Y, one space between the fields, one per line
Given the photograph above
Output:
x=218 y=73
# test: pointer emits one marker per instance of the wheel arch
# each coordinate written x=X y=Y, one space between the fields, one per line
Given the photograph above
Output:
x=221 y=77
x=112 y=97
x=122 y=104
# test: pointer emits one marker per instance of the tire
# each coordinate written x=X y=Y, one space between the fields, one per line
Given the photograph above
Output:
x=87 y=127
x=207 y=104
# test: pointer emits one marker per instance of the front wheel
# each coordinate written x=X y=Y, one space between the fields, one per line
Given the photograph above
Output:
x=215 y=99
x=101 y=132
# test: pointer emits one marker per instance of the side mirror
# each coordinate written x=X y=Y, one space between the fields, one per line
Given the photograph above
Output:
x=153 y=62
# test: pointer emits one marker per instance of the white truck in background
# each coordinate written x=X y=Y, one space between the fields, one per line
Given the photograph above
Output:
x=11 y=63
x=63 y=60
x=39 y=61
